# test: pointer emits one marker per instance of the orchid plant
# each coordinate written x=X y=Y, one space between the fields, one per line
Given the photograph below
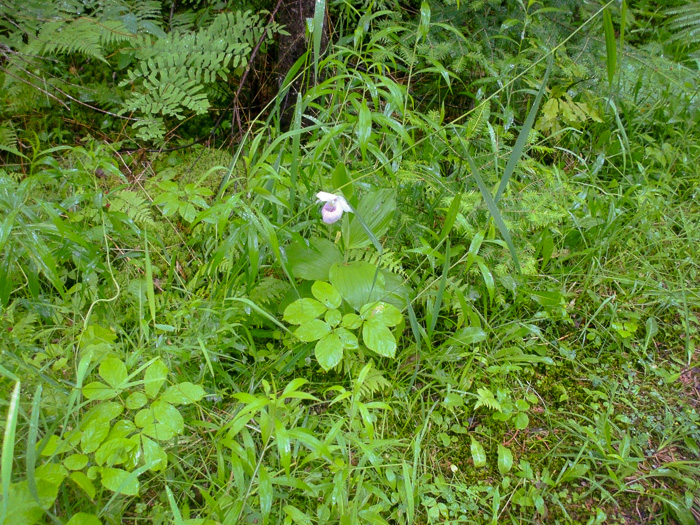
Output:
x=334 y=206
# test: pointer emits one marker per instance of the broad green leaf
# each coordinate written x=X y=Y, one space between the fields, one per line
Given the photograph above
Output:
x=312 y=330
x=303 y=310
x=468 y=336
x=75 y=461
x=333 y=317
x=97 y=391
x=94 y=433
x=183 y=394
x=377 y=210
x=159 y=421
x=120 y=481
x=114 y=372
x=505 y=460
x=104 y=411
x=453 y=399
x=169 y=415
x=521 y=421
x=121 y=429
x=159 y=431
x=313 y=262
x=154 y=378
x=83 y=518
x=80 y=479
x=154 y=453
x=329 y=351
x=326 y=294
x=352 y=321
x=382 y=313
x=378 y=337
x=115 y=451
x=359 y=283
x=478 y=454
x=136 y=400
x=347 y=338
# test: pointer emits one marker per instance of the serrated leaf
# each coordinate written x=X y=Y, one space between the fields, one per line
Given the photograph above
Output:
x=303 y=310
x=75 y=461
x=329 y=351
x=154 y=378
x=120 y=481
x=114 y=372
x=97 y=391
x=383 y=313
x=83 y=518
x=154 y=453
x=136 y=400
x=114 y=451
x=326 y=294
x=167 y=414
x=94 y=433
x=312 y=330
x=183 y=394
x=348 y=339
x=378 y=337
x=80 y=479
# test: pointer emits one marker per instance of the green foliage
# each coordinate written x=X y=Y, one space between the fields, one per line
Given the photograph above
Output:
x=185 y=340
x=335 y=332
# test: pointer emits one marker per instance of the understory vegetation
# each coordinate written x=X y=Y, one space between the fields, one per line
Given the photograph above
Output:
x=503 y=328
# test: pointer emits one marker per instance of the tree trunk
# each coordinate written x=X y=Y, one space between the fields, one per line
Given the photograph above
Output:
x=292 y=15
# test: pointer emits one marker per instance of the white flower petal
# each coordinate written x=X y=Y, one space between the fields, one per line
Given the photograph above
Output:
x=343 y=204
x=324 y=196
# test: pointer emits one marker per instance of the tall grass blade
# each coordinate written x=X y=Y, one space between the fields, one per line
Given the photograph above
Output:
x=177 y=516
x=8 y=449
x=441 y=291
x=31 y=442
x=524 y=133
x=319 y=16
x=610 y=45
x=493 y=210
x=150 y=294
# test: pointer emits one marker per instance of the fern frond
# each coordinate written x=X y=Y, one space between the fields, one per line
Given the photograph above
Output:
x=685 y=22
x=487 y=399
x=8 y=138
x=269 y=290
x=134 y=205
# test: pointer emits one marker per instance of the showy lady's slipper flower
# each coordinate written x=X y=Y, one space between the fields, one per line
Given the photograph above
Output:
x=334 y=206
